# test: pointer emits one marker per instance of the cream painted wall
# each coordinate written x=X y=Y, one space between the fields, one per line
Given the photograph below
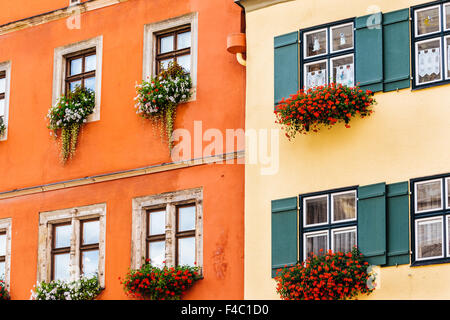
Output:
x=407 y=137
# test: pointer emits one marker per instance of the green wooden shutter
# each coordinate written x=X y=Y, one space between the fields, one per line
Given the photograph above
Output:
x=286 y=65
x=369 y=52
x=284 y=233
x=396 y=49
x=372 y=223
x=397 y=224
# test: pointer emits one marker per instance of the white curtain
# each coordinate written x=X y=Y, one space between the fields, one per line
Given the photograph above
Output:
x=316 y=78
x=344 y=241
x=345 y=75
x=315 y=243
x=429 y=62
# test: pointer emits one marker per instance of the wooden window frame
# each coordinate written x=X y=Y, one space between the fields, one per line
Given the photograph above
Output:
x=330 y=225
x=56 y=251
x=440 y=35
x=174 y=54
x=81 y=76
x=153 y=238
x=87 y=247
x=415 y=217
x=329 y=55
x=184 y=234
x=3 y=258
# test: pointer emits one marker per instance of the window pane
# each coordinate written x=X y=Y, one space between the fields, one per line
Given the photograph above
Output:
x=447 y=46
x=343 y=71
x=2 y=245
x=429 y=239
x=2 y=85
x=316 y=210
x=163 y=64
x=166 y=44
x=186 y=251
x=429 y=61
x=91 y=230
x=344 y=206
x=344 y=240
x=2 y=107
x=184 y=40
x=157 y=223
x=427 y=21
x=342 y=37
x=62 y=236
x=75 y=66
x=185 y=62
x=316 y=242
x=2 y=270
x=447 y=16
x=74 y=84
x=186 y=218
x=448 y=193
x=316 y=74
x=62 y=264
x=316 y=43
x=428 y=195
x=90 y=63
x=89 y=83
x=157 y=253
x=90 y=263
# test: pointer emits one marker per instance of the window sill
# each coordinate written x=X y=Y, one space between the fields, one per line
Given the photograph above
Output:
x=428 y=85
x=429 y=262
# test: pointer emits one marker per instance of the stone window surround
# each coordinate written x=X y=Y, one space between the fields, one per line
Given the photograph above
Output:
x=6 y=66
x=5 y=225
x=59 y=70
x=168 y=200
x=74 y=215
x=150 y=31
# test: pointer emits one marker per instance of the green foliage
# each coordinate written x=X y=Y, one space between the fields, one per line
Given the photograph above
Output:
x=4 y=294
x=158 y=97
x=322 y=106
x=81 y=289
x=68 y=115
x=166 y=283
x=2 y=127
x=330 y=276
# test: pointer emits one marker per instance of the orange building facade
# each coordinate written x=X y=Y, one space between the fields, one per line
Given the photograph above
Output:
x=122 y=169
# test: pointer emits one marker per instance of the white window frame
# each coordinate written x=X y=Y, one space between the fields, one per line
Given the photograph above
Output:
x=313 y=234
x=429 y=220
x=59 y=70
x=150 y=32
x=74 y=215
x=6 y=66
x=416 y=25
x=446 y=62
x=305 y=65
x=447 y=192
x=169 y=201
x=305 y=213
x=305 y=47
x=332 y=207
x=343 y=230
x=5 y=225
x=445 y=16
x=417 y=61
x=331 y=36
x=416 y=211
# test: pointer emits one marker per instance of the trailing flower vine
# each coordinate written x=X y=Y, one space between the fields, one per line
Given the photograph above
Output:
x=2 y=127
x=322 y=106
x=68 y=115
x=158 y=97
x=81 y=289
x=331 y=276
x=166 y=283
x=4 y=294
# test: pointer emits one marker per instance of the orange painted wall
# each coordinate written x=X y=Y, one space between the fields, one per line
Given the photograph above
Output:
x=121 y=140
